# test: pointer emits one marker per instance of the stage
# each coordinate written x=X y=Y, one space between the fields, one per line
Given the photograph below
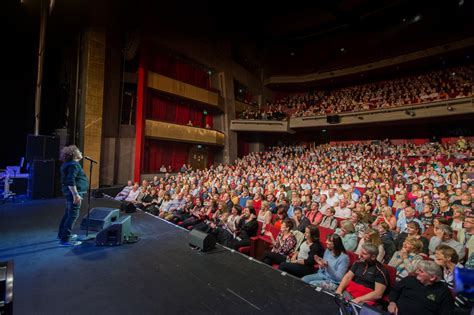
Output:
x=159 y=274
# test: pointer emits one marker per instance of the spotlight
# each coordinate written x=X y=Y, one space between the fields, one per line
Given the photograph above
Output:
x=360 y=118
x=412 y=114
x=450 y=108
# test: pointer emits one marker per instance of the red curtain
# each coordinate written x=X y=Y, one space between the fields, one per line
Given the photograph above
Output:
x=179 y=69
x=210 y=121
x=161 y=108
x=158 y=152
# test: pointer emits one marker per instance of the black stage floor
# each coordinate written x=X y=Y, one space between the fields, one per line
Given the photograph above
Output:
x=159 y=274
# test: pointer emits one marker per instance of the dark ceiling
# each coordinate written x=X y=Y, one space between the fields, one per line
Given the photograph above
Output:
x=330 y=35
x=294 y=38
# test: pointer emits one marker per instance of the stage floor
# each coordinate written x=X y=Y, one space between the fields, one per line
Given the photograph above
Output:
x=159 y=274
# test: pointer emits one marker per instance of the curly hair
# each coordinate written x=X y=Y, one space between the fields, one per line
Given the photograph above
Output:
x=70 y=153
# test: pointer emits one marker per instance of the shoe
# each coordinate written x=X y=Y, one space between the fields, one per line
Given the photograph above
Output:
x=72 y=237
x=70 y=243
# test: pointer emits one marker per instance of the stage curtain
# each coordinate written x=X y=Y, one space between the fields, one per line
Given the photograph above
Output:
x=165 y=153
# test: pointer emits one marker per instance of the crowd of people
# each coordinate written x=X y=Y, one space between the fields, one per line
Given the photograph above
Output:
x=403 y=208
x=430 y=87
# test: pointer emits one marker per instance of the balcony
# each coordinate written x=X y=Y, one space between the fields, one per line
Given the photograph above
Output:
x=173 y=132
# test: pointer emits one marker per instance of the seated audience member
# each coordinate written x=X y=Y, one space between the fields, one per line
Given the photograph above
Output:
x=176 y=204
x=342 y=211
x=133 y=194
x=234 y=218
x=422 y=293
x=196 y=214
x=347 y=233
x=406 y=259
x=359 y=226
x=313 y=214
x=301 y=222
x=283 y=246
x=429 y=233
x=131 y=200
x=280 y=217
x=163 y=169
x=386 y=236
x=264 y=215
x=444 y=235
x=458 y=220
x=372 y=236
x=329 y=221
x=367 y=279
x=427 y=217
x=246 y=228
x=465 y=236
x=447 y=258
x=413 y=231
x=386 y=215
x=124 y=192
x=332 y=266
x=149 y=201
x=409 y=216
x=302 y=261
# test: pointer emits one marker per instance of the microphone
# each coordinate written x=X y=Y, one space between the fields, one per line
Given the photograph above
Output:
x=90 y=159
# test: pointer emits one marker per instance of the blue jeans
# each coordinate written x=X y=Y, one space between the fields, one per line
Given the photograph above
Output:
x=322 y=280
x=69 y=218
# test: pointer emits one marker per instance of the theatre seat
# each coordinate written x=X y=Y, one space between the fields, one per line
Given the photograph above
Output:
x=323 y=233
x=353 y=257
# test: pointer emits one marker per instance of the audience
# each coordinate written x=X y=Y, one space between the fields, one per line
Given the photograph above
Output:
x=423 y=293
x=422 y=184
x=430 y=87
x=303 y=259
x=367 y=279
x=331 y=267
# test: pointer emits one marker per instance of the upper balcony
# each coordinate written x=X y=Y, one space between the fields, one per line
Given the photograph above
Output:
x=435 y=109
x=208 y=99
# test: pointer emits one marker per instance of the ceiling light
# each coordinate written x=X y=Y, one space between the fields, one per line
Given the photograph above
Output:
x=292 y=53
x=417 y=18
x=343 y=49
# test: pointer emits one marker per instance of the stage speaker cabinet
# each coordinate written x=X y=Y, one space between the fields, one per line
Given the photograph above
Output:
x=333 y=119
x=41 y=179
x=202 y=241
x=100 y=218
x=116 y=233
x=42 y=148
x=6 y=287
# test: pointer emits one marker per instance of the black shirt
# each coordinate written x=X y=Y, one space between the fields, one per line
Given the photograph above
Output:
x=72 y=174
x=412 y=297
x=367 y=274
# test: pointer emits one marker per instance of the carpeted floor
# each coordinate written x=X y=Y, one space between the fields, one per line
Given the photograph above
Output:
x=159 y=274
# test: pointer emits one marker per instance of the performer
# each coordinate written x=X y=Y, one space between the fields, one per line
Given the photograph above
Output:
x=74 y=186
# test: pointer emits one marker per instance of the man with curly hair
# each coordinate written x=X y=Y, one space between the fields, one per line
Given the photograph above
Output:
x=74 y=184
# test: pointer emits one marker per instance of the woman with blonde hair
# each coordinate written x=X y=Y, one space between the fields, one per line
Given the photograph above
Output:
x=264 y=215
x=348 y=235
x=406 y=259
x=386 y=215
x=372 y=236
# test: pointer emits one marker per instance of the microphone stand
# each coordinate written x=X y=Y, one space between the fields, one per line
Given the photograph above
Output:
x=87 y=237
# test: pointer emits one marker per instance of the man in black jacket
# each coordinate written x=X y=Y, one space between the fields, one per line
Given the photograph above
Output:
x=423 y=293
x=74 y=186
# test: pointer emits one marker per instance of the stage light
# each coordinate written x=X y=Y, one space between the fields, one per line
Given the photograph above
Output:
x=360 y=118
x=450 y=108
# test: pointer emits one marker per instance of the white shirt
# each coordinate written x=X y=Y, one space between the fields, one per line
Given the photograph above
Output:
x=342 y=213
x=133 y=195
